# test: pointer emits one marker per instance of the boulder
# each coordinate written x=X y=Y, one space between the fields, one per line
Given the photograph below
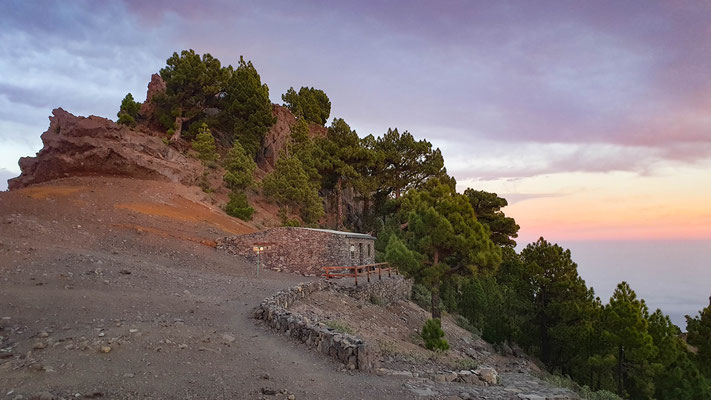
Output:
x=488 y=375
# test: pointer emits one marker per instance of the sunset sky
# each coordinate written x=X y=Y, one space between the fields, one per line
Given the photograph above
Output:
x=592 y=118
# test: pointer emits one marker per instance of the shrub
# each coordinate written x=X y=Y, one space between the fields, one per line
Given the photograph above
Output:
x=204 y=183
x=339 y=326
x=433 y=335
x=376 y=300
x=238 y=207
x=421 y=296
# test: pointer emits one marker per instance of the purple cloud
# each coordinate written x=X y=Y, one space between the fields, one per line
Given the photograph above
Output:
x=630 y=74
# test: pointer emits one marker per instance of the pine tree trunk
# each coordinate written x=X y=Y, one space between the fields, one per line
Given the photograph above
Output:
x=436 y=312
x=178 y=129
x=620 y=355
x=366 y=212
x=339 y=204
x=545 y=340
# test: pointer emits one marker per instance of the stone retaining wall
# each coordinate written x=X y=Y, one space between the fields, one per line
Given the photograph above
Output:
x=384 y=291
x=349 y=349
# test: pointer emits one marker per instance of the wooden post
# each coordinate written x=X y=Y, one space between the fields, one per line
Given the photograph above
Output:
x=355 y=274
x=379 y=271
x=367 y=271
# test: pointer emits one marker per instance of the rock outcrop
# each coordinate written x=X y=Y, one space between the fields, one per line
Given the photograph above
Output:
x=277 y=136
x=93 y=145
x=155 y=86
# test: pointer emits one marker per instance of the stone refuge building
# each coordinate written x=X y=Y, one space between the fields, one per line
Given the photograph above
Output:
x=304 y=250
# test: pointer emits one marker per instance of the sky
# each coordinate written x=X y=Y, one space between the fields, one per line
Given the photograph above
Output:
x=592 y=118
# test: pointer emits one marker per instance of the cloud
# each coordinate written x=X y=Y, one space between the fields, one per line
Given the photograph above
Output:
x=538 y=87
x=4 y=176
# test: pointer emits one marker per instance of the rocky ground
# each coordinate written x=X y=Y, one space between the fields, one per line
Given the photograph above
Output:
x=110 y=288
x=393 y=331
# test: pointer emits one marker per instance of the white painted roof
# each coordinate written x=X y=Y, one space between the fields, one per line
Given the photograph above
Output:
x=347 y=234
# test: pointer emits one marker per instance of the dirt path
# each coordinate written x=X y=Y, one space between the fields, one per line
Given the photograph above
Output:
x=89 y=309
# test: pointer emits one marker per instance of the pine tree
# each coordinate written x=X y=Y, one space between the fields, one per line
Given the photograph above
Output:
x=205 y=146
x=676 y=376
x=487 y=207
x=238 y=206
x=311 y=104
x=699 y=336
x=561 y=303
x=444 y=235
x=192 y=86
x=626 y=326
x=246 y=109
x=128 y=113
x=289 y=185
x=239 y=168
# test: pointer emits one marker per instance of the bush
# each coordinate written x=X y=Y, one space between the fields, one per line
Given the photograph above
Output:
x=584 y=391
x=238 y=207
x=339 y=326
x=421 y=296
x=433 y=335
x=204 y=183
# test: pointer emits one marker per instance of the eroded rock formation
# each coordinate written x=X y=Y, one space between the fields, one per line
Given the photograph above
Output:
x=93 y=145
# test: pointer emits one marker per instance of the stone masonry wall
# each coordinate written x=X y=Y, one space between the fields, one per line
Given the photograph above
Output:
x=299 y=250
x=349 y=349
x=385 y=291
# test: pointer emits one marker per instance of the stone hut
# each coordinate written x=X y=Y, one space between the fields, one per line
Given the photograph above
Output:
x=304 y=250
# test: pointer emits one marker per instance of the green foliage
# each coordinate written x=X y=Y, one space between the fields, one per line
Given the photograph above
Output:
x=487 y=207
x=677 y=377
x=311 y=104
x=443 y=238
x=404 y=162
x=625 y=323
x=289 y=184
x=233 y=102
x=433 y=335
x=238 y=206
x=283 y=215
x=420 y=295
x=376 y=300
x=339 y=326
x=204 y=183
x=699 y=336
x=341 y=157
x=561 y=302
x=128 y=113
x=205 y=146
x=239 y=168
x=584 y=392
x=246 y=109
x=192 y=85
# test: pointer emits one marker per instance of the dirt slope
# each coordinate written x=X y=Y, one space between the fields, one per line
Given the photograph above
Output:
x=95 y=263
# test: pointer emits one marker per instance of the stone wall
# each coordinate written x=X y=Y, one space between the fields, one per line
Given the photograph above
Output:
x=300 y=250
x=384 y=291
x=348 y=349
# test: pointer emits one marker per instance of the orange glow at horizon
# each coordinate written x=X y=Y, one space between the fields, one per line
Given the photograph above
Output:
x=673 y=203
